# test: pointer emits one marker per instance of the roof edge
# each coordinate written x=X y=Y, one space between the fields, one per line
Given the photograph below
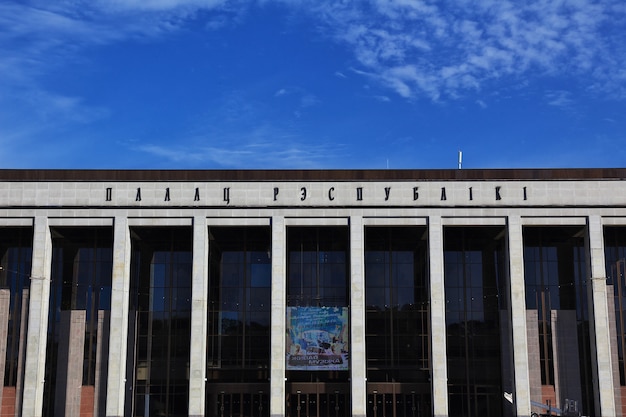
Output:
x=313 y=174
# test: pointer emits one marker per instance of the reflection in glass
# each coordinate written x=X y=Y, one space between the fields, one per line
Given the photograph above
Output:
x=556 y=301
x=317 y=266
x=15 y=260
x=160 y=309
x=397 y=319
x=78 y=323
x=615 y=254
x=474 y=278
x=317 y=271
x=238 y=339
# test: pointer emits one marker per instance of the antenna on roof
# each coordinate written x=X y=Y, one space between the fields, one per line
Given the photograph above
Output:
x=460 y=159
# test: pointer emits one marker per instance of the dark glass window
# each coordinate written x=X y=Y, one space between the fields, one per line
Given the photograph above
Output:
x=80 y=302
x=317 y=276
x=239 y=296
x=556 y=291
x=397 y=315
x=15 y=259
x=238 y=338
x=474 y=275
x=160 y=310
x=615 y=255
x=317 y=266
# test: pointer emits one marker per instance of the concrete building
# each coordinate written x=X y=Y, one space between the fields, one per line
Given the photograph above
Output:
x=312 y=293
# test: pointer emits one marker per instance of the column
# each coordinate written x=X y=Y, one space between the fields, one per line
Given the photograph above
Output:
x=118 y=341
x=197 y=363
x=5 y=302
x=517 y=288
x=437 y=317
x=19 y=387
x=357 y=317
x=279 y=289
x=69 y=377
x=37 y=319
x=102 y=356
x=599 y=320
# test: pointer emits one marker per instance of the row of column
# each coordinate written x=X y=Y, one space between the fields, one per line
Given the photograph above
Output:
x=40 y=294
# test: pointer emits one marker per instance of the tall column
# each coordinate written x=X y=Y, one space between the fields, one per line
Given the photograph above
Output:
x=357 y=317
x=197 y=362
x=37 y=319
x=5 y=302
x=599 y=321
x=515 y=245
x=437 y=317
x=279 y=298
x=69 y=377
x=118 y=340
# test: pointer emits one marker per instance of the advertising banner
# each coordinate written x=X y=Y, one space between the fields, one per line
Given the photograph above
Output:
x=317 y=338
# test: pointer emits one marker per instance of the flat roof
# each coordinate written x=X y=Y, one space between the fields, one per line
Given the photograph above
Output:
x=313 y=175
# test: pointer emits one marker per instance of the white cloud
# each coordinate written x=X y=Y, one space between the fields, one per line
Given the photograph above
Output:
x=559 y=98
x=251 y=151
x=280 y=92
x=158 y=5
x=457 y=47
x=309 y=100
x=437 y=50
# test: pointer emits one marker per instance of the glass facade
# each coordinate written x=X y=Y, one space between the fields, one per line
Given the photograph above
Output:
x=476 y=320
x=238 y=317
x=238 y=338
x=397 y=322
x=615 y=260
x=15 y=260
x=318 y=277
x=159 y=329
x=398 y=338
x=78 y=323
x=556 y=301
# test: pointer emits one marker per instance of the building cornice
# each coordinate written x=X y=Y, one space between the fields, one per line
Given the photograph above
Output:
x=544 y=174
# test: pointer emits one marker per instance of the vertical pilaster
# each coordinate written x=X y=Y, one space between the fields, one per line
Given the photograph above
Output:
x=37 y=319
x=357 y=317
x=437 y=317
x=279 y=289
x=19 y=387
x=5 y=302
x=118 y=341
x=517 y=288
x=69 y=377
x=599 y=321
x=102 y=356
x=197 y=363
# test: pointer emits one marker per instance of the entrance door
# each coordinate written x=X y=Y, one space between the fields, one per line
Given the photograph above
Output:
x=238 y=400
x=398 y=400
x=318 y=400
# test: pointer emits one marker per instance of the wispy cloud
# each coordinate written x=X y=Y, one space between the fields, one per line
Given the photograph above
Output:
x=268 y=153
x=426 y=49
x=444 y=50
x=237 y=131
x=559 y=98
x=303 y=97
x=158 y=5
x=415 y=48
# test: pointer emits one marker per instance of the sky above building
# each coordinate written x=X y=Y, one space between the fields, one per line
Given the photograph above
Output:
x=312 y=84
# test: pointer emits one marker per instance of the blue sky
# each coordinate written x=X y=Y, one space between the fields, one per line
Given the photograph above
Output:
x=228 y=84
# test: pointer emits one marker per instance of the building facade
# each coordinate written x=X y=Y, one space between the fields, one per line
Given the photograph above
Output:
x=313 y=293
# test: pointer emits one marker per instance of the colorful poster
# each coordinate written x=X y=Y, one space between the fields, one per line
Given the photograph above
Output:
x=317 y=338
